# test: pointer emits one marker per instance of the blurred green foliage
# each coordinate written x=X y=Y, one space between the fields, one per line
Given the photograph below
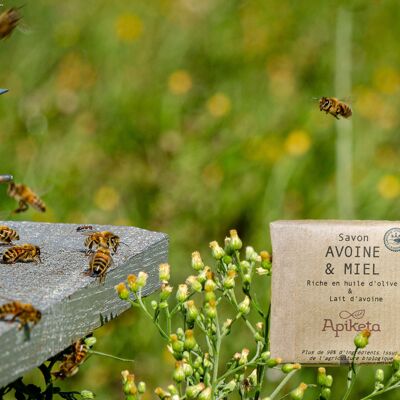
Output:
x=192 y=117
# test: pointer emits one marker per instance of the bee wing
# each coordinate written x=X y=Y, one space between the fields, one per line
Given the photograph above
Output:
x=347 y=99
x=2 y=91
x=88 y=232
x=6 y=178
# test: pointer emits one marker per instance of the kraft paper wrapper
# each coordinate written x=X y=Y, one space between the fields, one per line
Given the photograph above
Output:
x=300 y=311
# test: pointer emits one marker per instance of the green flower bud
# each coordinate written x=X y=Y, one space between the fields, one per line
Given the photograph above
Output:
x=87 y=394
x=164 y=272
x=226 y=260
x=298 y=393
x=265 y=356
x=228 y=246
x=206 y=394
x=253 y=378
x=197 y=262
x=198 y=362
x=193 y=391
x=321 y=377
x=236 y=243
x=210 y=309
x=191 y=311
x=176 y=344
x=244 y=306
x=90 y=341
x=251 y=255
x=122 y=290
x=141 y=387
x=132 y=283
x=142 y=279
x=210 y=296
x=187 y=369
x=182 y=293
x=166 y=291
x=245 y=267
x=396 y=362
x=210 y=285
x=206 y=361
x=273 y=362
x=379 y=375
x=194 y=283
x=361 y=339
x=243 y=356
x=216 y=250
x=286 y=368
x=229 y=280
x=329 y=381
x=325 y=393
x=190 y=342
x=172 y=389
x=179 y=373
x=154 y=305
x=181 y=334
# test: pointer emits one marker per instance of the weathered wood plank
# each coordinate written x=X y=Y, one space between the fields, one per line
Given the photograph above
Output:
x=72 y=304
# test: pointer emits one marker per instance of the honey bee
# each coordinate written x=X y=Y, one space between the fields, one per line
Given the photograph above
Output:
x=2 y=91
x=335 y=107
x=7 y=235
x=102 y=239
x=21 y=253
x=100 y=262
x=25 y=197
x=72 y=360
x=8 y=21
x=25 y=313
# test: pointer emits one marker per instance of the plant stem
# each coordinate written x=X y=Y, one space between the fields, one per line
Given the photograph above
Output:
x=282 y=384
x=110 y=356
x=380 y=392
x=351 y=376
x=344 y=128
x=216 y=357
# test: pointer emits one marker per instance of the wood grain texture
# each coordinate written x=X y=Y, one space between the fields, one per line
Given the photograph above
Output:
x=72 y=304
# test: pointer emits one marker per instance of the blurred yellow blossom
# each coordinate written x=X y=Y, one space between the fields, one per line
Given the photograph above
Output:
x=179 y=82
x=75 y=73
x=265 y=149
x=281 y=76
x=297 y=143
x=219 y=105
x=389 y=187
x=128 y=27
x=386 y=80
x=107 y=198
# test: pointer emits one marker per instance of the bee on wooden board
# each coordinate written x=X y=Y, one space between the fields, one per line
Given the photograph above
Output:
x=99 y=263
x=24 y=313
x=21 y=253
x=9 y=20
x=26 y=197
x=71 y=361
x=7 y=235
x=101 y=239
x=335 y=107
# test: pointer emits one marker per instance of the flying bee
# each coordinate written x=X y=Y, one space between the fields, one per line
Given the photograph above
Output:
x=26 y=197
x=100 y=262
x=21 y=253
x=72 y=360
x=102 y=239
x=8 y=21
x=7 y=235
x=25 y=313
x=335 y=107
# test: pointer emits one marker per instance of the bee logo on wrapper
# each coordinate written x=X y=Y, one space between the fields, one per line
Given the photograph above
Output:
x=392 y=239
x=350 y=323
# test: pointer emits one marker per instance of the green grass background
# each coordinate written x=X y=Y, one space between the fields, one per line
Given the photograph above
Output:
x=192 y=117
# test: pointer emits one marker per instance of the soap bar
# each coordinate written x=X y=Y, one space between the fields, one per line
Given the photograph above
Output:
x=330 y=280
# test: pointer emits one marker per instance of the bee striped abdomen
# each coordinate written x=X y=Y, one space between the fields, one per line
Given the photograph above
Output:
x=100 y=262
x=23 y=253
x=7 y=235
